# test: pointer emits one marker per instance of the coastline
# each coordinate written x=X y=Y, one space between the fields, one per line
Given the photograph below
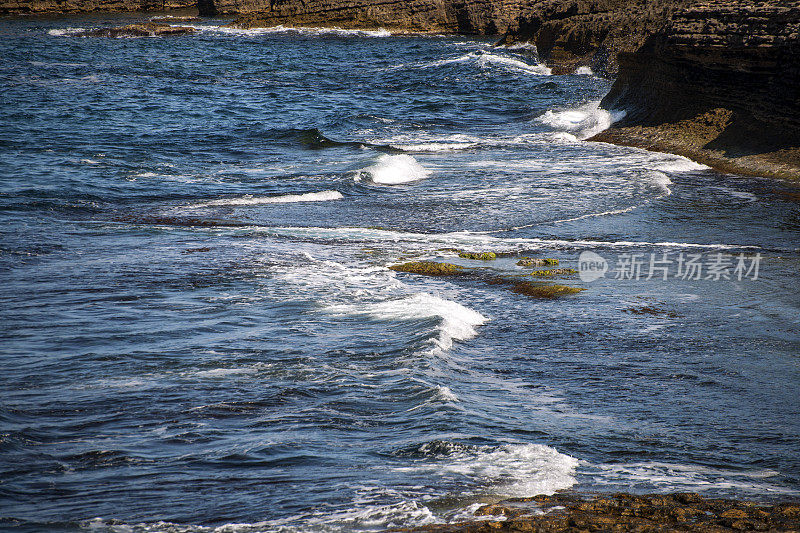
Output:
x=572 y=512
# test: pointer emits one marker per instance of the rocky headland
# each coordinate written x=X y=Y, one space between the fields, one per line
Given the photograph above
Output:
x=717 y=81
x=573 y=513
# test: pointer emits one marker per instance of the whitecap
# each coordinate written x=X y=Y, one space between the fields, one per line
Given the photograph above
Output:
x=517 y=470
x=393 y=170
x=307 y=31
x=583 y=121
x=65 y=32
x=323 y=196
x=660 y=180
x=456 y=322
x=584 y=71
x=489 y=59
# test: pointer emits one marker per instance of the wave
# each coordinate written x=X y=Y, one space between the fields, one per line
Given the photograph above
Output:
x=584 y=121
x=670 y=477
x=661 y=181
x=305 y=31
x=65 y=32
x=477 y=240
x=511 y=470
x=393 y=170
x=584 y=71
x=323 y=196
x=488 y=59
x=456 y=321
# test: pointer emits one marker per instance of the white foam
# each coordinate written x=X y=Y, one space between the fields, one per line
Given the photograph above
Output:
x=477 y=240
x=394 y=170
x=323 y=196
x=673 y=477
x=307 y=31
x=521 y=46
x=678 y=164
x=486 y=59
x=456 y=321
x=583 y=121
x=65 y=32
x=584 y=71
x=517 y=470
x=661 y=181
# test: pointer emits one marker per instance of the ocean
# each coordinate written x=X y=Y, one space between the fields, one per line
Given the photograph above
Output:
x=200 y=331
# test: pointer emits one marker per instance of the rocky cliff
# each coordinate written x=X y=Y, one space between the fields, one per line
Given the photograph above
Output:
x=32 y=7
x=425 y=16
x=720 y=84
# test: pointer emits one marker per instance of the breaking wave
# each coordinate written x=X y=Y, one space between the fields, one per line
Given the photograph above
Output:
x=456 y=322
x=493 y=60
x=393 y=170
x=323 y=196
x=583 y=121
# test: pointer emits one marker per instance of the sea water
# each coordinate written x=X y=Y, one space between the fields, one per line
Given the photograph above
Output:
x=200 y=331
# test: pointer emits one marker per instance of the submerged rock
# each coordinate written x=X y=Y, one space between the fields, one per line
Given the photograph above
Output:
x=485 y=256
x=535 y=262
x=428 y=268
x=554 y=272
x=569 y=512
x=146 y=29
x=535 y=290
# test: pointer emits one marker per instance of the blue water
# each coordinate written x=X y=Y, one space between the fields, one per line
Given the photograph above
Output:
x=199 y=327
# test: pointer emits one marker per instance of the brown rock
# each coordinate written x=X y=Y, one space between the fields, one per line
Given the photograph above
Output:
x=148 y=29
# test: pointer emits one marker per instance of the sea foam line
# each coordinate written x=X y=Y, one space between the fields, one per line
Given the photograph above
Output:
x=323 y=196
x=488 y=59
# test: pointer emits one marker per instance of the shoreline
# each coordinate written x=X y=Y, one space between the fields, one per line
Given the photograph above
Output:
x=568 y=511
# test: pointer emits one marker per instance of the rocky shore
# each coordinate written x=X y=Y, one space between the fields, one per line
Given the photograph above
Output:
x=719 y=84
x=716 y=81
x=568 y=512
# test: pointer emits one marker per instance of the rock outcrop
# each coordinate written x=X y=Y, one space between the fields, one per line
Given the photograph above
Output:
x=35 y=7
x=148 y=29
x=626 y=512
x=720 y=84
x=417 y=16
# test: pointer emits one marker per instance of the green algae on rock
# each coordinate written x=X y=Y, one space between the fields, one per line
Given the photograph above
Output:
x=428 y=268
x=535 y=290
x=480 y=256
x=554 y=272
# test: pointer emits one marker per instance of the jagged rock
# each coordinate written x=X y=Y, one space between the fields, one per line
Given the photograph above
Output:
x=147 y=29
x=720 y=84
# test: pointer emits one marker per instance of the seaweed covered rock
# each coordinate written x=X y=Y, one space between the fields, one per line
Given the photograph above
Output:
x=484 y=256
x=428 y=268
x=536 y=262
x=554 y=272
x=536 y=290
